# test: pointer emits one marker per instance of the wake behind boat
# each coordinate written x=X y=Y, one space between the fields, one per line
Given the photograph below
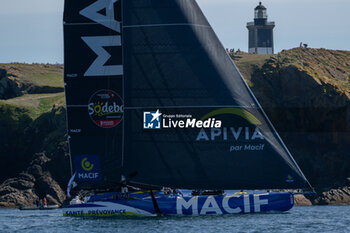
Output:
x=154 y=100
x=48 y=207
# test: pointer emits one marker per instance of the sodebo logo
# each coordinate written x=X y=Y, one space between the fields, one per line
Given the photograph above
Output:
x=106 y=108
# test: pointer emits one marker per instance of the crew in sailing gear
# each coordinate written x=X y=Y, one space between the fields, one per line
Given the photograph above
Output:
x=166 y=190
x=124 y=188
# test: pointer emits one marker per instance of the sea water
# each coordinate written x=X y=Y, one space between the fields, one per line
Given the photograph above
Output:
x=299 y=219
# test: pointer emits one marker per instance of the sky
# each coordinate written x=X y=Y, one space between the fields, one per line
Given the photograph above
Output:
x=31 y=30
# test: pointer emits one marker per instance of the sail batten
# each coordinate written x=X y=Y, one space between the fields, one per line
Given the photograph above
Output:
x=186 y=106
x=165 y=25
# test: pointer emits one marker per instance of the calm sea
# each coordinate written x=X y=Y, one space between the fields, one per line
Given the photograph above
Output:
x=299 y=219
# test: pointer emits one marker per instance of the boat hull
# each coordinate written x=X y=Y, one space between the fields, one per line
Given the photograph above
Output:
x=141 y=204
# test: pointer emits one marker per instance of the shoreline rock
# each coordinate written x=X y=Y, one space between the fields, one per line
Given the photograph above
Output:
x=8 y=87
x=35 y=182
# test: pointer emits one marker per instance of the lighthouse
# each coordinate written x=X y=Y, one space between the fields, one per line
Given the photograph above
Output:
x=260 y=32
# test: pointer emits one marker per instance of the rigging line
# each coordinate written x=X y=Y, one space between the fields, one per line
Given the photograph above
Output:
x=77 y=106
x=203 y=106
x=155 y=204
x=166 y=25
x=66 y=114
x=70 y=153
x=123 y=82
x=92 y=23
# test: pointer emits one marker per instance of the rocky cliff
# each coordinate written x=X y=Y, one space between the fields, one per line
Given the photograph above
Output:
x=33 y=145
x=305 y=93
x=28 y=173
x=43 y=174
x=8 y=86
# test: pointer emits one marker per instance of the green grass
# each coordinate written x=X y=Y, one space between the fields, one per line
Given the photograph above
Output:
x=39 y=75
x=325 y=66
x=246 y=63
x=49 y=79
x=36 y=104
x=35 y=74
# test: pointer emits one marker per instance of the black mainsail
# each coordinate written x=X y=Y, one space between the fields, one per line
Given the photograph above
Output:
x=93 y=77
x=181 y=115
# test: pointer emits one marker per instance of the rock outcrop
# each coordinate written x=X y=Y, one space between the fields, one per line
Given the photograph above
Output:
x=35 y=182
x=8 y=86
x=340 y=196
x=305 y=93
x=301 y=200
x=47 y=172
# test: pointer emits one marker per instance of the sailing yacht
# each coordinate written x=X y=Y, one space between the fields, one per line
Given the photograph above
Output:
x=154 y=100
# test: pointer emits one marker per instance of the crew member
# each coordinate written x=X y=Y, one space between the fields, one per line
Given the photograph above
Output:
x=124 y=188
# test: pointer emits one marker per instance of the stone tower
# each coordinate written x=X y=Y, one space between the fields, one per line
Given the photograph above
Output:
x=260 y=32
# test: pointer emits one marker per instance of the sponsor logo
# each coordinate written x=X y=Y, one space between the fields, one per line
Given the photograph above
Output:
x=235 y=125
x=86 y=165
x=191 y=123
x=289 y=179
x=229 y=204
x=107 y=212
x=244 y=138
x=228 y=134
x=99 y=43
x=87 y=168
x=156 y=120
x=152 y=120
x=106 y=109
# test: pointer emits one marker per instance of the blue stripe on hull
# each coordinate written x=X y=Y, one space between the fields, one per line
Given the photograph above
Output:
x=186 y=205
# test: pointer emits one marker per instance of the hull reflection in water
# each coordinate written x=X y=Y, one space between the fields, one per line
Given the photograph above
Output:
x=140 y=203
